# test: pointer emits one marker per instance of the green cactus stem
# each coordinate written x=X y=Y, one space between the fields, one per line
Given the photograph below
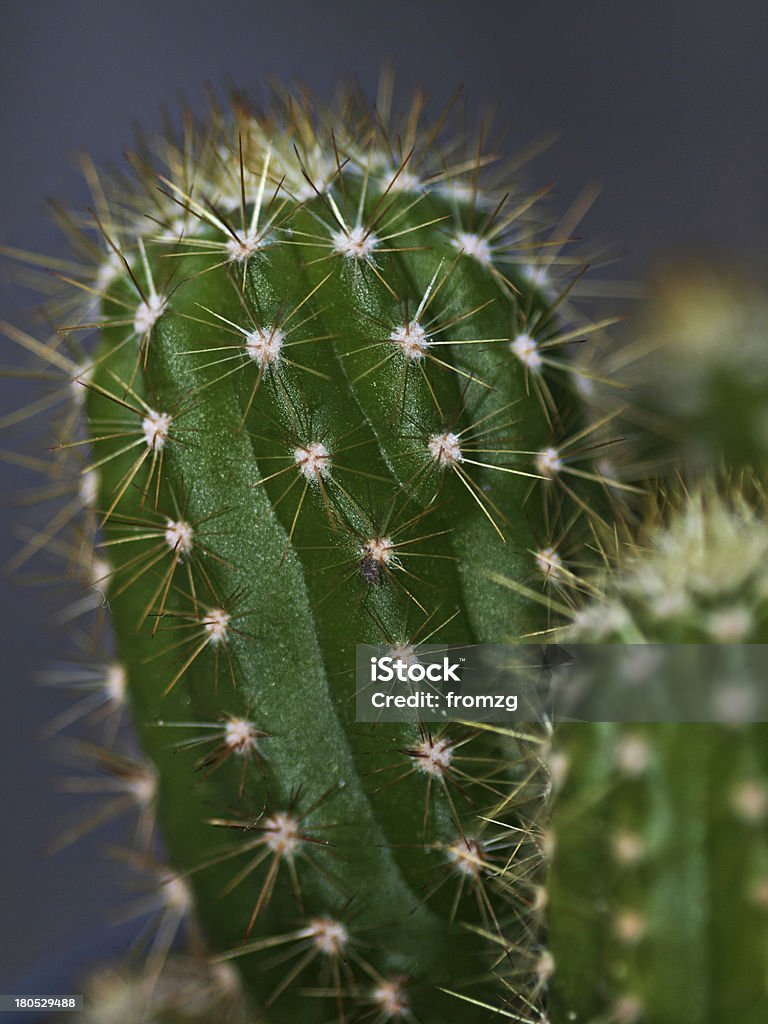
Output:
x=331 y=397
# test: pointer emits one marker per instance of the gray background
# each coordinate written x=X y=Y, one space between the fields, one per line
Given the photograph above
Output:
x=663 y=103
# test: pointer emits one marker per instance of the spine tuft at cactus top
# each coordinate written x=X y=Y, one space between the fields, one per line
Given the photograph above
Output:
x=334 y=394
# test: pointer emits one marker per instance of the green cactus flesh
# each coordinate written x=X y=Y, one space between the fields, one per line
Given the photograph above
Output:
x=318 y=418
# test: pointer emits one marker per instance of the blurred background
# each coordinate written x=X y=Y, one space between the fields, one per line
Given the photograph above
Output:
x=662 y=104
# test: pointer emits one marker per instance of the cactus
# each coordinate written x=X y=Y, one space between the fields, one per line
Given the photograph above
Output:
x=701 y=375
x=660 y=830
x=331 y=399
x=331 y=395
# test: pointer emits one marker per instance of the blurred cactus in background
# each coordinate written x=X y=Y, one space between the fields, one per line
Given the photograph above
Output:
x=700 y=382
x=660 y=831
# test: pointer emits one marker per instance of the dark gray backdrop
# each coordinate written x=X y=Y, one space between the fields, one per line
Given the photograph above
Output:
x=661 y=102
